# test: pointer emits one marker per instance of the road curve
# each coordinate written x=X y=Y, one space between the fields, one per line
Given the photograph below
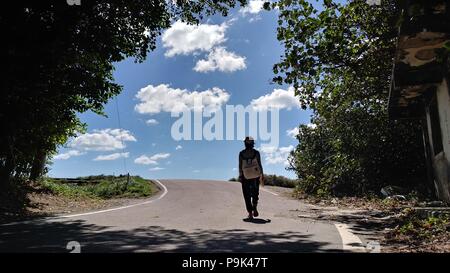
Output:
x=192 y=216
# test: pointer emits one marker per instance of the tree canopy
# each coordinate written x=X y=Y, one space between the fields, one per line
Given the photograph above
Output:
x=339 y=59
x=58 y=61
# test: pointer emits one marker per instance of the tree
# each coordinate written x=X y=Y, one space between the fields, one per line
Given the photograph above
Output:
x=339 y=59
x=58 y=61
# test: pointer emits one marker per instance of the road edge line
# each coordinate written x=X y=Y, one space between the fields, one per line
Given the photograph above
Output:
x=120 y=208
x=350 y=241
x=276 y=194
x=165 y=191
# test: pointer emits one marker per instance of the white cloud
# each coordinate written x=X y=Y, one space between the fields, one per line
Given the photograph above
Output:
x=156 y=169
x=279 y=98
x=160 y=156
x=163 y=98
x=254 y=19
x=253 y=7
x=102 y=140
x=182 y=38
x=178 y=147
x=152 y=122
x=68 y=155
x=196 y=171
x=113 y=156
x=274 y=155
x=221 y=59
x=145 y=160
x=311 y=125
x=152 y=160
x=293 y=132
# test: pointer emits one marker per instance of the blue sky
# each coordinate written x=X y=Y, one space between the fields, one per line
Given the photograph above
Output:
x=235 y=55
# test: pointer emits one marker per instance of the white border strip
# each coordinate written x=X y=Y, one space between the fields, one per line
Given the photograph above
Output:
x=271 y=192
x=350 y=242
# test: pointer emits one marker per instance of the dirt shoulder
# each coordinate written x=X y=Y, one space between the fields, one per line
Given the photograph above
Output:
x=43 y=203
x=399 y=226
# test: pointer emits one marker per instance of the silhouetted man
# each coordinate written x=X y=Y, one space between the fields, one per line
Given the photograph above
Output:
x=250 y=175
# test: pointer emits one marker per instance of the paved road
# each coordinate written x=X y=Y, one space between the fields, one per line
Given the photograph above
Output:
x=187 y=216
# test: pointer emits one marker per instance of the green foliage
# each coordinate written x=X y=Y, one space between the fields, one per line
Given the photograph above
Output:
x=102 y=187
x=59 y=60
x=275 y=180
x=423 y=229
x=279 y=181
x=68 y=190
x=339 y=60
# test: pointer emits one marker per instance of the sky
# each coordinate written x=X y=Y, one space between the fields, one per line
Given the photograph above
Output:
x=223 y=61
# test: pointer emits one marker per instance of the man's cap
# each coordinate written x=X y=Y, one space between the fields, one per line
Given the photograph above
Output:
x=249 y=139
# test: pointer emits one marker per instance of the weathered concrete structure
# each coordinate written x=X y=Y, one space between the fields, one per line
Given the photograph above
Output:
x=420 y=83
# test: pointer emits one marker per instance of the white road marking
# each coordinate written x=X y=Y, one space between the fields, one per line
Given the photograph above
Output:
x=93 y=212
x=269 y=191
x=350 y=242
x=120 y=208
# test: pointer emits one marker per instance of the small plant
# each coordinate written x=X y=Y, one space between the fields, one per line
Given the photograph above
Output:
x=420 y=229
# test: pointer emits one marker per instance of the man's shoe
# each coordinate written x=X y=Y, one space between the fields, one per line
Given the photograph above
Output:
x=255 y=213
x=250 y=215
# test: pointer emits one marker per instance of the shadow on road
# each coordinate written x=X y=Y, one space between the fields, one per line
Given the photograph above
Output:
x=257 y=220
x=46 y=236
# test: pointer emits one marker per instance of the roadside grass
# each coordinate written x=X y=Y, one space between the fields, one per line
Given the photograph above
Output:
x=101 y=187
x=415 y=229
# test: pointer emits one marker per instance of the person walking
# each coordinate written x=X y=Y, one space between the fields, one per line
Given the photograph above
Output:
x=250 y=176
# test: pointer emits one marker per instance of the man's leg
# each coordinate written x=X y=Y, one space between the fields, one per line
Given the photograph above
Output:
x=255 y=194
x=246 y=190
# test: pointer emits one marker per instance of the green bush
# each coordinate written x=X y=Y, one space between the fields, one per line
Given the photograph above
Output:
x=104 y=187
x=275 y=180
x=279 y=181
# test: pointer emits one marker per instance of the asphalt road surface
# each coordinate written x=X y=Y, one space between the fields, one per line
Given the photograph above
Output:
x=186 y=216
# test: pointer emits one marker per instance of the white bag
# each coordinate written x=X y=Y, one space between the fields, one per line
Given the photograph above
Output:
x=250 y=168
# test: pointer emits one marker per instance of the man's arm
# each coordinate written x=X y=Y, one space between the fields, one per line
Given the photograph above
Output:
x=261 y=178
x=258 y=158
x=241 y=174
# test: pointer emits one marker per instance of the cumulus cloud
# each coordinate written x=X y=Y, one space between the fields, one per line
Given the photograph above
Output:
x=102 y=140
x=151 y=160
x=221 y=59
x=155 y=169
x=276 y=155
x=185 y=39
x=182 y=38
x=163 y=98
x=152 y=122
x=68 y=155
x=253 y=7
x=113 y=156
x=279 y=99
x=293 y=132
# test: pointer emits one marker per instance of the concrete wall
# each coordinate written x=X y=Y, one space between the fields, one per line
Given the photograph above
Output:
x=441 y=160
